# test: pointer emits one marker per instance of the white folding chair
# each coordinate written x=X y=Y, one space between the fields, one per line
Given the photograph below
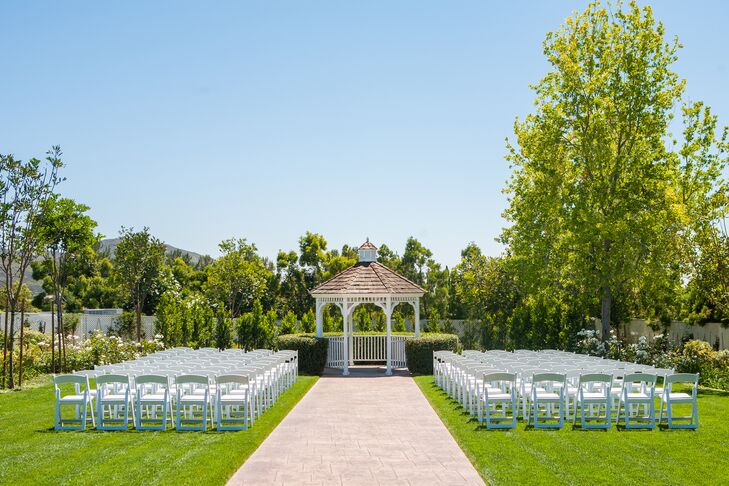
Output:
x=548 y=394
x=638 y=393
x=192 y=408
x=498 y=401
x=113 y=397
x=153 y=402
x=671 y=398
x=593 y=393
x=232 y=403
x=80 y=399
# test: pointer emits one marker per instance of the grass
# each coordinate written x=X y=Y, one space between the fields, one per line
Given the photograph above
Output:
x=33 y=453
x=572 y=456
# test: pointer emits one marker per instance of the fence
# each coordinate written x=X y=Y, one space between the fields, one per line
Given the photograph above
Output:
x=88 y=323
x=367 y=348
x=713 y=333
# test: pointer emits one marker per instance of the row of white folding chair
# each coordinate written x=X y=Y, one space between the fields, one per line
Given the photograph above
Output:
x=462 y=380
x=114 y=402
x=117 y=392
x=267 y=379
x=593 y=390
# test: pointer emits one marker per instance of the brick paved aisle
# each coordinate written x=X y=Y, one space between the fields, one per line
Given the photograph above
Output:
x=365 y=430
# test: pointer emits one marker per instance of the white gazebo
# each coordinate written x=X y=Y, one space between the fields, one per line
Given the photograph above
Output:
x=367 y=282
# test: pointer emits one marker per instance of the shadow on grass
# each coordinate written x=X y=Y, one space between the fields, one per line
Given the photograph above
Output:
x=712 y=392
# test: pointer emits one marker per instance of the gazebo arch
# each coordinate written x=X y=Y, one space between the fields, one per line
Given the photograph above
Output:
x=367 y=282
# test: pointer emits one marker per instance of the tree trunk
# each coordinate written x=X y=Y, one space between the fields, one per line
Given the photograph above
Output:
x=607 y=302
x=62 y=336
x=20 y=359
x=53 y=339
x=11 y=368
x=5 y=342
x=138 y=310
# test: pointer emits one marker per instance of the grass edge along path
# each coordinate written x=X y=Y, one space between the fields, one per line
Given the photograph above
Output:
x=567 y=456
x=33 y=453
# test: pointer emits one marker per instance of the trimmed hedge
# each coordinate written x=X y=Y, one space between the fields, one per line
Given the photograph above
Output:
x=419 y=350
x=312 y=351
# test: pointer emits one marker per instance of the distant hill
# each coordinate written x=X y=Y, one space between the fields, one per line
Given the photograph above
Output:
x=35 y=286
x=109 y=244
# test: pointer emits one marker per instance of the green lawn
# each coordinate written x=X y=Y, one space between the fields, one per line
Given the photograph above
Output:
x=593 y=457
x=33 y=453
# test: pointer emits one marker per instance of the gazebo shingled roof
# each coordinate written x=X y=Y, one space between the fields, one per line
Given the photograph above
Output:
x=368 y=278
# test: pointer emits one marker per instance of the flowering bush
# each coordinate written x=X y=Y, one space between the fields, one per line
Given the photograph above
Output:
x=99 y=349
x=692 y=357
x=589 y=343
x=655 y=352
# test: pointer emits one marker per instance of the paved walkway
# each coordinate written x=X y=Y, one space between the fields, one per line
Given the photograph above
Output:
x=355 y=430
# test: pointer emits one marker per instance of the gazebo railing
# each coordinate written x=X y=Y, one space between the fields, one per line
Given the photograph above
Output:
x=335 y=352
x=366 y=348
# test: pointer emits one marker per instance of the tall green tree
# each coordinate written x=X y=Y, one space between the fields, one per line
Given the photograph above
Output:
x=593 y=195
x=415 y=261
x=24 y=188
x=66 y=233
x=138 y=266
x=223 y=329
x=239 y=277
x=388 y=257
x=313 y=253
x=292 y=292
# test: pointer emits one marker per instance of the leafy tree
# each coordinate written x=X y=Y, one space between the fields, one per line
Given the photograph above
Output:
x=223 y=339
x=167 y=320
x=245 y=330
x=66 y=233
x=415 y=261
x=398 y=322
x=593 y=196
x=433 y=321
x=361 y=319
x=313 y=251
x=239 y=277
x=387 y=257
x=378 y=321
x=308 y=321
x=336 y=262
x=417 y=265
x=292 y=292
x=257 y=324
x=24 y=188
x=198 y=318
x=332 y=323
x=269 y=331
x=288 y=323
x=138 y=268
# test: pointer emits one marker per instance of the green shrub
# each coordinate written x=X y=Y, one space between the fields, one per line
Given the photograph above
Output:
x=308 y=322
x=312 y=351
x=419 y=351
x=712 y=366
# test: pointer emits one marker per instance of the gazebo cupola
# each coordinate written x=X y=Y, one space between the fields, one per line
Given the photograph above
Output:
x=366 y=282
x=367 y=252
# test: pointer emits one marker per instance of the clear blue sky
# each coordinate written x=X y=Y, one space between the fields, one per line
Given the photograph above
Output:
x=208 y=120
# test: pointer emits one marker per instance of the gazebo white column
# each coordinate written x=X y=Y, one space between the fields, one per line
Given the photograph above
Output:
x=319 y=322
x=345 y=343
x=417 y=316
x=388 y=316
x=349 y=342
